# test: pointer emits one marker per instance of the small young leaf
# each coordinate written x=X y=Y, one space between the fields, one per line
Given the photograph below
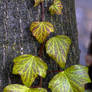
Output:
x=56 y=7
x=21 y=88
x=70 y=80
x=57 y=48
x=37 y=2
x=29 y=67
x=41 y=30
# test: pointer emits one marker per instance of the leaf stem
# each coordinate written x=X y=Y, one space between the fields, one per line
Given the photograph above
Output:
x=54 y=71
x=40 y=85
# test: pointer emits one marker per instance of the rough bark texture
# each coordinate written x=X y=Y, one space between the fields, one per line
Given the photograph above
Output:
x=16 y=38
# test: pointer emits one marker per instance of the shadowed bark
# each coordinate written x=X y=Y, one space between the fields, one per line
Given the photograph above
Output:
x=16 y=38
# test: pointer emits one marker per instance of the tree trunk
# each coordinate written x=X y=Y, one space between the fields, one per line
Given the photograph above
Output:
x=16 y=38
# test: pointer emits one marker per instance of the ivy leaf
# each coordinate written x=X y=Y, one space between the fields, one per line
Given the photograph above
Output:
x=56 y=7
x=41 y=30
x=16 y=88
x=37 y=2
x=37 y=90
x=70 y=80
x=21 y=88
x=57 y=48
x=29 y=67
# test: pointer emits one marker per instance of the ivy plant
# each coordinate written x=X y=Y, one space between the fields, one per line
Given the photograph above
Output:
x=29 y=67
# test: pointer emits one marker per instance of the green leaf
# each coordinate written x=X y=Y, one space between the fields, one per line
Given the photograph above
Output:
x=57 y=48
x=29 y=67
x=37 y=2
x=56 y=7
x=21 y=88
x=41 y=30
x=70 y=80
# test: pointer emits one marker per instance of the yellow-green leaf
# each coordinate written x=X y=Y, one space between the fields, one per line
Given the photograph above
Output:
x=37 y=2
x=56 y=7
x=29 y=67
x=70 y=80
x=41 y=30
x=16 y=88
x=21 y=88
x=37 y=90
x=57 y=48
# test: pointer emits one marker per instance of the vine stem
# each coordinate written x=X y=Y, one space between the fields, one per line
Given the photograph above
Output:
x=42 y=19
x=42 y=12
x=40 y=52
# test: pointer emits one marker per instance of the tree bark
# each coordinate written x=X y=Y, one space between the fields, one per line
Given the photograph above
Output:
x=16 y=38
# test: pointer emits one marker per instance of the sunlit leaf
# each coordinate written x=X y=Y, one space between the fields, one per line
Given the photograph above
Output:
x=29 y=67
x=41 y=30
x=37 y=2
x=56 y=7
x=70 y=80
x=57 y=48
x=21 y=88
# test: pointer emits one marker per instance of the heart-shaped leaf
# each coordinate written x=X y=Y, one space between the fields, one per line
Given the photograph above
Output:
x=37 y=2
x=21 y=88
x=70 y=80
x=41 y=30
x=57 y=48
x=29 y=67
x=56 y=7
